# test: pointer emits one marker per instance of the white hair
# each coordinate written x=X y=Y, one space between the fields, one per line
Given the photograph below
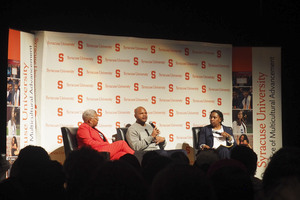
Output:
x=88 y=114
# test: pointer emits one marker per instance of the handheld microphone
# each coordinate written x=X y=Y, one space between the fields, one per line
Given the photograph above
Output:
x=151 y=123
x=216 y=132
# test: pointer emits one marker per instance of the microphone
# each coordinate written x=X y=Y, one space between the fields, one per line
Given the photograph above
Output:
x=216 y=132
x=151 y=123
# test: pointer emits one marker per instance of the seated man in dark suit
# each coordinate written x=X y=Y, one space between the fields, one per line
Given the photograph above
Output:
x=217 y=136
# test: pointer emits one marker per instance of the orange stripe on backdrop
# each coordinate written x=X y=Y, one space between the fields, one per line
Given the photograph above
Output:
x=14 y=45
x=242 y=59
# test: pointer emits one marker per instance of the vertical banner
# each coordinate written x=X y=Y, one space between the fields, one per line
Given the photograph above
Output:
x=242 y=96
x=257 y=101
x=178 y=82
x=267 y=100
x=13 y=129
x=20 y=93
x=27 y=115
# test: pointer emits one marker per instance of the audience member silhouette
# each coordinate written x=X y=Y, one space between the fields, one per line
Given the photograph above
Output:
x=206 y=158
x=248 y=157
x=148 y=155
x=231 y=180
x=34 y=176
x=153 y=166
x=181 y=181
x=281 y=178
x=81 y=167
x=180 y=157
x=288 y=188
x=132 y=160
x=117 y=180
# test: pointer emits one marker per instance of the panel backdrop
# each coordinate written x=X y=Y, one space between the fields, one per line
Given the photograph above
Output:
x=178 y=82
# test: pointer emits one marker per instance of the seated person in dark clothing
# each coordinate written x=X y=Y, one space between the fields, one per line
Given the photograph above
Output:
x=217 y=136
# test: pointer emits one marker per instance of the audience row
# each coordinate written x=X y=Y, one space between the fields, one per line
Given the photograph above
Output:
x=87 y=175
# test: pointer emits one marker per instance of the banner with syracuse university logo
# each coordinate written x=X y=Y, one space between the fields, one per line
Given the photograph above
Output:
x=257 y=101
x=267 y=100
x=20 y=116
x=178 y=82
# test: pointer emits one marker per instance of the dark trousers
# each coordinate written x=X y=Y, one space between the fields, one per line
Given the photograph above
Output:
x=224 y=152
